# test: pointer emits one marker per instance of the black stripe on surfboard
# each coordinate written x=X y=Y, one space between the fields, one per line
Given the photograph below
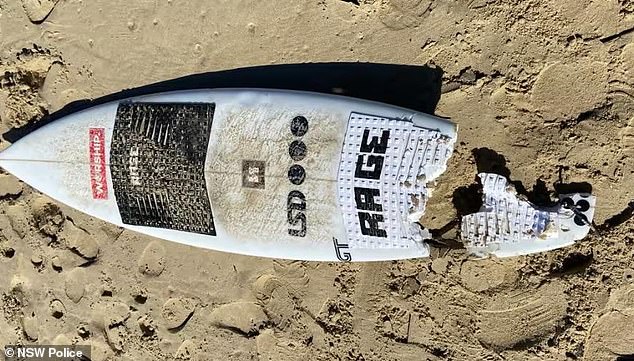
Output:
x=157 y=160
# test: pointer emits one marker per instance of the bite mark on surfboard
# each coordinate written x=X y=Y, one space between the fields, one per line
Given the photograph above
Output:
x=385 y=167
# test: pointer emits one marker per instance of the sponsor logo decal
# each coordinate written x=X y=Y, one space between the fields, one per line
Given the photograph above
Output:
x=135 y=175
x=253 y=174
x=369 y=166
x=97 y=153
x=342 y=256
x=296 y=201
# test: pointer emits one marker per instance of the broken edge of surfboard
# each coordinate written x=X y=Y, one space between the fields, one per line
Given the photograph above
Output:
x=409 y=158
x=507 y=225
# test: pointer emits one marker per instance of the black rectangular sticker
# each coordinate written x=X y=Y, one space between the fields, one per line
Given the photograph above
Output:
x=157 y=161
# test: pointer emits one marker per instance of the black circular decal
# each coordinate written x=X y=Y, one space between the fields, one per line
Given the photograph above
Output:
x=580 y=220
x=299 y=126
x=578 y=208
x=297 y=150
x=583 y=205
x=296 y=174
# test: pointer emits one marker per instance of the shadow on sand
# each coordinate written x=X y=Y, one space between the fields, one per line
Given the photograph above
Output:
x=410 y=86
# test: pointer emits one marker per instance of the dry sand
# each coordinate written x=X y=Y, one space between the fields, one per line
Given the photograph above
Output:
x=536 y=82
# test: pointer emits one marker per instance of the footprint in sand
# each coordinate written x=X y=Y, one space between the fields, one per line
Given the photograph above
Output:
x=555 y=96
x=264 y=286
x=281 y=307
x=47 y=216
x=271 y=348
x=18 y=222
x=61 y=261
x=79 y=241
x=111 y=317
x=612 y=334
x=10 y=187
x=115 y=314
x=627 y=138
x=116 y=337
x=401 y=14
x=152 y=260
x=487 y=275
x=38 y=10
x=186 y=351
x=246 y=318
x=177 y=311
x=293 y=272
x=75 y=284
x=57 y=308
x=278 y=293
x=30 y=327
x=276 y=299
x=521 y=316
x=627 y=59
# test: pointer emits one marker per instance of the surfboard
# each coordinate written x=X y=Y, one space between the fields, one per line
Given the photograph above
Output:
x=508 y=225
x=282 y=174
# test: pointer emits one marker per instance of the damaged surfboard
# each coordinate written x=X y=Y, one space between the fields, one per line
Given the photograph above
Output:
x=508 y=225
x=268 y=173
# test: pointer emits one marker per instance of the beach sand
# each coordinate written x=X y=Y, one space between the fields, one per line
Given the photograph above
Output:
x=540 y=89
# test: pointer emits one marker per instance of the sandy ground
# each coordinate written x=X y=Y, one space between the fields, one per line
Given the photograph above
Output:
x=539 y=88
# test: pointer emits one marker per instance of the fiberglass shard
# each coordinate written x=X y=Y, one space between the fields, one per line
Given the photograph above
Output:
x=507 y=225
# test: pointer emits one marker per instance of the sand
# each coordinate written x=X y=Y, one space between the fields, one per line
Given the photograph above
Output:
x=542 y=92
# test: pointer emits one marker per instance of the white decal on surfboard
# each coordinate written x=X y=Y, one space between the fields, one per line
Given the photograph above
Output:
x=386 y=165
x=135 y=176
x=508 y=225
x=97 y=159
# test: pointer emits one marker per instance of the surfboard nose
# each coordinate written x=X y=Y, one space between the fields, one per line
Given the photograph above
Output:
x=66 y=159
x=23 y=161
x=9 y=160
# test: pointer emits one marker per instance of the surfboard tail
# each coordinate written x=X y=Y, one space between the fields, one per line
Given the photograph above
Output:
x=508 y=225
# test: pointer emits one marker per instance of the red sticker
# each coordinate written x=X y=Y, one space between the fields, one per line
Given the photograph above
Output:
x=97 y=146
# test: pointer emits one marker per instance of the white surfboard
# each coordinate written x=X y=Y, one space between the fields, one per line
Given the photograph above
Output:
x=508 y=225
x=281 y=174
